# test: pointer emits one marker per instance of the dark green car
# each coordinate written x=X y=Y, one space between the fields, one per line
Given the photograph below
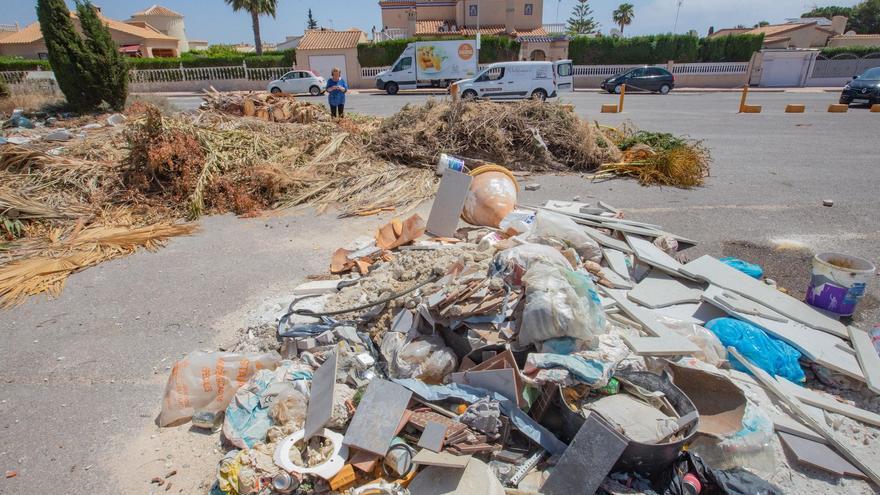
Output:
x=863 y=89
x=655 y=79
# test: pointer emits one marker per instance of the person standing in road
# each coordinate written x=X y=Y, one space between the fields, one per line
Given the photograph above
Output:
x=336 y=89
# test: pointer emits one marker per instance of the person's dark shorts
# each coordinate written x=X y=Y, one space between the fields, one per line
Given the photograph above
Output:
x=337 y=111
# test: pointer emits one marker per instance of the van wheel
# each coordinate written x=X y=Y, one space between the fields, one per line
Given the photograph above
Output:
x=617 y=89
x=314 y=91
x=276 y=91
x=469 y=95
x=539 y=94
x=664 y=89
x=392 y=88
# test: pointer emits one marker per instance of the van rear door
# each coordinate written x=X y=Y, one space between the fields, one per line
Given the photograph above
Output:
x=564 y=71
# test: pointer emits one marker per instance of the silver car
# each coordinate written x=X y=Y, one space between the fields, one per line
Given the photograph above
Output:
x=298 y=81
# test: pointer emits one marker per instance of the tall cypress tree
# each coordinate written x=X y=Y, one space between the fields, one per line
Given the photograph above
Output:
x=108 y=65
x=67 y=55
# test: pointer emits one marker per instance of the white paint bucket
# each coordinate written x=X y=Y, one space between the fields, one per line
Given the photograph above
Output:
x=839 y=281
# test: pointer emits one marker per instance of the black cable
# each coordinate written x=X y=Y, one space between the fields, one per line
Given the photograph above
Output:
x=409 y=462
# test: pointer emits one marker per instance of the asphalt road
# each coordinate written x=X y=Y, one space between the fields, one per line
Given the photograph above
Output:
x=83 y=375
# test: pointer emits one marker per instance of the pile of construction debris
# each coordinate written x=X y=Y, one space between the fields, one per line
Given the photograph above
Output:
x=566 y=349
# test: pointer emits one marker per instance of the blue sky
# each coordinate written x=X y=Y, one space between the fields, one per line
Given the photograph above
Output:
x=214 y=21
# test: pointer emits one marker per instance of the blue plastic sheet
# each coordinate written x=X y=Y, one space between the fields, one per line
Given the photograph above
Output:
x=469 y=394
x=584 y=370
x=246 y=418
x=750 y=269
x=772 y=355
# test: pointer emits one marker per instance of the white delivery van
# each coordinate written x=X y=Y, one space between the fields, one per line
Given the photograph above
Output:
x=426 y=64
x=564 y=70
x=511 y=80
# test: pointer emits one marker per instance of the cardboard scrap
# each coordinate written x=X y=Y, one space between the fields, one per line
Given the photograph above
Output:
x=442 y=459
x=721 y=404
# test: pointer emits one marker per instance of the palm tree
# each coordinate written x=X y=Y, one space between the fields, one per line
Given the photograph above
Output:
x=624 y=15
x=256 y=8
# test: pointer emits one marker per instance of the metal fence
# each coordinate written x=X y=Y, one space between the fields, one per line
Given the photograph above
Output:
x=844 y=65
x=207 y=74
x=711 y=68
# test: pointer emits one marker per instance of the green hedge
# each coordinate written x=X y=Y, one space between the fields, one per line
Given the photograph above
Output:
x=859 y=51
x=286 y=58
x=730 y=48
x=661 y=48
x=492 y=49
x=16 y=63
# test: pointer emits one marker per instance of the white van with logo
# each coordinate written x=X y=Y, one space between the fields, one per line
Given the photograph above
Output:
x=564 y=70
x=511 y=80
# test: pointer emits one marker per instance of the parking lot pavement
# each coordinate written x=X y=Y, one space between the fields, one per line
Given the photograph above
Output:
x=83 y=375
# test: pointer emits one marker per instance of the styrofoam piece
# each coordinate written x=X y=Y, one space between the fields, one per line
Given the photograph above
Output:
x=326 y=469
x=659 y=290
x=717 y=273
x=616 y=280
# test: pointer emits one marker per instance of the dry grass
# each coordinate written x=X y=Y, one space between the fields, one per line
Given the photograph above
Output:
x=525 y=135
x=28 y=102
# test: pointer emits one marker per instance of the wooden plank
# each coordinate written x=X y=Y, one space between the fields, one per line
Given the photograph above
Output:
x=717 y=273
x=320 y=406
x=448 y=203
x=796 y=407
x=818 y=455
x=867 y=356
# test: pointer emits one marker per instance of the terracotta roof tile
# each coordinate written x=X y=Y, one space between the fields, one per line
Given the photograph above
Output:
x=32 y=33
x=158 y=10
x=433 y=28
x=330 y=40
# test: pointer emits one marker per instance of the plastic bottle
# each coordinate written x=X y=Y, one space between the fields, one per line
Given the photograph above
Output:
x=450 y=162
x=875 y=337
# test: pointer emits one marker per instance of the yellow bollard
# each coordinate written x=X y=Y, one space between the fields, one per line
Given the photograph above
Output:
x=875 y=108
x=837 y=108
x=609 y=108
x=795 y=108
x=743 y=108
x=622 y=93
x=742 y=100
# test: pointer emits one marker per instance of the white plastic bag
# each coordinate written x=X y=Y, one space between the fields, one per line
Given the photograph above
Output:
x=425 y=357
x=553 y=226
x=559 y=303
x=207 y=381
x=516 y=261
x=712 y=351
x=517 y=222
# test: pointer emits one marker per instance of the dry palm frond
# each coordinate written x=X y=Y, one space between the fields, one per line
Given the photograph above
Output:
x=88 y=247
x=14 y=205
x=682 y=166
x=526 y=135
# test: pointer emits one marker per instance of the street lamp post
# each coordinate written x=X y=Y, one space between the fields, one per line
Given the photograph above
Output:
x=677 y=11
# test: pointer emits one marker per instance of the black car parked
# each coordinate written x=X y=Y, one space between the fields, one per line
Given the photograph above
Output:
x=653 y=79
x=863 y=89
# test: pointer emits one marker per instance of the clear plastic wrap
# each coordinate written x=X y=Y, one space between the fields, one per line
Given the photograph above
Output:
x=553 y=226
x=559 y=303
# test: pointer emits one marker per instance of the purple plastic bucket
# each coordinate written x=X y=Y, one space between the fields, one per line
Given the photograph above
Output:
x=838 y=287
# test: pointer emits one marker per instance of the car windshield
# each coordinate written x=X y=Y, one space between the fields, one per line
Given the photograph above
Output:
x=871 y=74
